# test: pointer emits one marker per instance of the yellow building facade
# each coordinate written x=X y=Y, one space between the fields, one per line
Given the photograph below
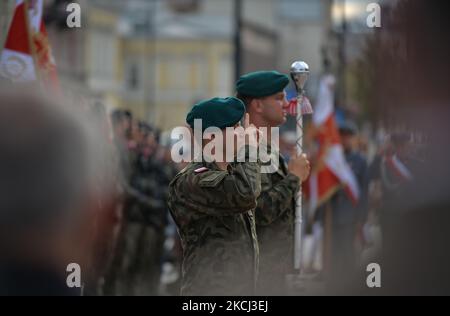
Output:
x=157 y=78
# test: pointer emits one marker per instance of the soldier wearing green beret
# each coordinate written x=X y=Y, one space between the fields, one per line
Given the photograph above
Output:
x=265 y=100
x=213 y=206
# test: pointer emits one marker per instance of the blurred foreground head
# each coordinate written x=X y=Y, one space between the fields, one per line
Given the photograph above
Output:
x=49 y=186
x=412 y=91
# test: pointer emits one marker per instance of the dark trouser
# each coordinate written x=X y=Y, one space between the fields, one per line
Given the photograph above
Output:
x=136 y=268
x=343 y=260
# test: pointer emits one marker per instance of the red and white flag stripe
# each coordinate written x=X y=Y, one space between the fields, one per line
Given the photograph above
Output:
x=27 y=54
x=333 y=170
x=399 y=169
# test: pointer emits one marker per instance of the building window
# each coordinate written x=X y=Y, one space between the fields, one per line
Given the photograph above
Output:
x=163 y=75
x=133 y=77
x=300 y=10
x=184 y=6
x=224 y=79
x=103 y=50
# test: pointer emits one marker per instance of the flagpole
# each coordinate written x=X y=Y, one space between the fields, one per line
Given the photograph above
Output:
x=31 y=43
x=299 y=74
x=298 y=200
x=6 y=14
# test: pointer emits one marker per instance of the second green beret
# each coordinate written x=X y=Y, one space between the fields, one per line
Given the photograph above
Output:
x=261 y=83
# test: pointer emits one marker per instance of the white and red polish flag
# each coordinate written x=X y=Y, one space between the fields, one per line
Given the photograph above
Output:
x=27 y=55
x=331 y=171
x=306 y=107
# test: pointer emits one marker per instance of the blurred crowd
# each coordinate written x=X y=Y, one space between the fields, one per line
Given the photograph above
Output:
x=82 y=185
x=144 y=248
x=344 y=236
x=127 y=242
x=115 y=172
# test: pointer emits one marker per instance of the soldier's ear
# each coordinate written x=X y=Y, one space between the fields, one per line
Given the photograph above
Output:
x=255 y=106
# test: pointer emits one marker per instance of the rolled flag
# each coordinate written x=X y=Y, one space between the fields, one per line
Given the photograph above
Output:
x=27 y=54
x=306 y=107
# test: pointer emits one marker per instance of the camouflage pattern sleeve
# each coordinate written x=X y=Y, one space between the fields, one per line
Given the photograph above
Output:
x=219 y=192
x=275 y=200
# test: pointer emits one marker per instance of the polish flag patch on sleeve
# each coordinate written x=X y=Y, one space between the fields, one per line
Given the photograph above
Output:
x=200 y=170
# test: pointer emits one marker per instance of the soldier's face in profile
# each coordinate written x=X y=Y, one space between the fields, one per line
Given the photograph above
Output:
x=274 y=109
x=348 y=141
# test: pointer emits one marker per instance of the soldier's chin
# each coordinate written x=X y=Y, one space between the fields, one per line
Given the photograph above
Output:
x=279 y=121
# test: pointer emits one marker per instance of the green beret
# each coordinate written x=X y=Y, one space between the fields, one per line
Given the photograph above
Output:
x=261 y=83
x=217 y=112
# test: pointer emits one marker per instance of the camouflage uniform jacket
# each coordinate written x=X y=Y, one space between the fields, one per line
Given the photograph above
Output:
x=214 y=212
x=275 y=215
